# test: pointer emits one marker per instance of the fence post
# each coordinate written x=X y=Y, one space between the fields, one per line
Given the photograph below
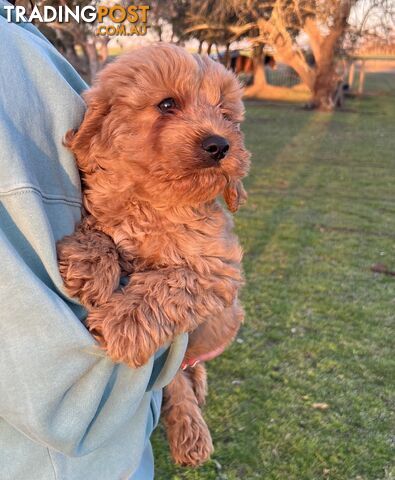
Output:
x=361 y=78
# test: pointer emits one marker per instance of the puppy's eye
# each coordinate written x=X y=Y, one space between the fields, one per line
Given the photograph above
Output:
x=227 y=117
x=167 y=105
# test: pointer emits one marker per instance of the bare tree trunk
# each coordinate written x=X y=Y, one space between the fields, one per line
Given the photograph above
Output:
x=227 y=59
x=200 y=49
x=85 y=61
x=351 y=74
x=102 y=48
x=209 y=47
x=259 y=74
x=324 y=50
x=259 y=79
x=93 y=59
x=325 y=81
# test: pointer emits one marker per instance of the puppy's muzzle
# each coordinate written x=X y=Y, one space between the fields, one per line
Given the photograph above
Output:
x=217 y=147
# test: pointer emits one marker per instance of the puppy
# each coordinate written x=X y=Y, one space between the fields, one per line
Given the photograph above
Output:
x=159 y=144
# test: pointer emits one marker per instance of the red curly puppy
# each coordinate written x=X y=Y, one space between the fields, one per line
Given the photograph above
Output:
x=160 y=142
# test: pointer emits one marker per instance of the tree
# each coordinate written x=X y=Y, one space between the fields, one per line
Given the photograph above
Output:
x=78 y=42
x=220 y=12
x=88 y=52
x=167 y=13
x=280 y=23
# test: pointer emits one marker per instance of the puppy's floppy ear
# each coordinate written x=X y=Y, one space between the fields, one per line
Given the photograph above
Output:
x=234 y=195
x=85 y=142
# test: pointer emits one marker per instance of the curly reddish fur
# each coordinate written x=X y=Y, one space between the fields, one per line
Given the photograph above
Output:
x=187 y=432
x=152 y=197
x=82 y=256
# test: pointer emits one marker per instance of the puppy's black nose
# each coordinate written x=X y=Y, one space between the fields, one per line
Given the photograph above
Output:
x=216 y=146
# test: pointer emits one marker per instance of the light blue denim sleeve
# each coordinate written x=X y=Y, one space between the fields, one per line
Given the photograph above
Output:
x=66 y=411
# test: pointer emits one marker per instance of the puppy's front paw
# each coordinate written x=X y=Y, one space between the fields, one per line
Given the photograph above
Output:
x=89 y=266
x=121 y=335
x=190 y=441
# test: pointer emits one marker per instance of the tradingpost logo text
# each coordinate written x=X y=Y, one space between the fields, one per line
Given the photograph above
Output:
x=114 y=20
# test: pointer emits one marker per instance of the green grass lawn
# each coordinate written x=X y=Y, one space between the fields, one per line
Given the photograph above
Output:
x=320 y=324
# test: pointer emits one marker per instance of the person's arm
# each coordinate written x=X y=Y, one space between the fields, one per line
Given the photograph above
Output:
x=56 y=386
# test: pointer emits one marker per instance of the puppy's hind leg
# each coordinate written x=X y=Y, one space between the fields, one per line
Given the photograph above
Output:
x=198 y=378
x=187 y=432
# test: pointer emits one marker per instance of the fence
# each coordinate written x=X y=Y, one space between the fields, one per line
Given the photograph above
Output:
x=362 y=75
x=372 y=75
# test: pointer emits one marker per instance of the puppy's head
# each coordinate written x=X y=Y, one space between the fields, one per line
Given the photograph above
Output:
x=162 y=126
